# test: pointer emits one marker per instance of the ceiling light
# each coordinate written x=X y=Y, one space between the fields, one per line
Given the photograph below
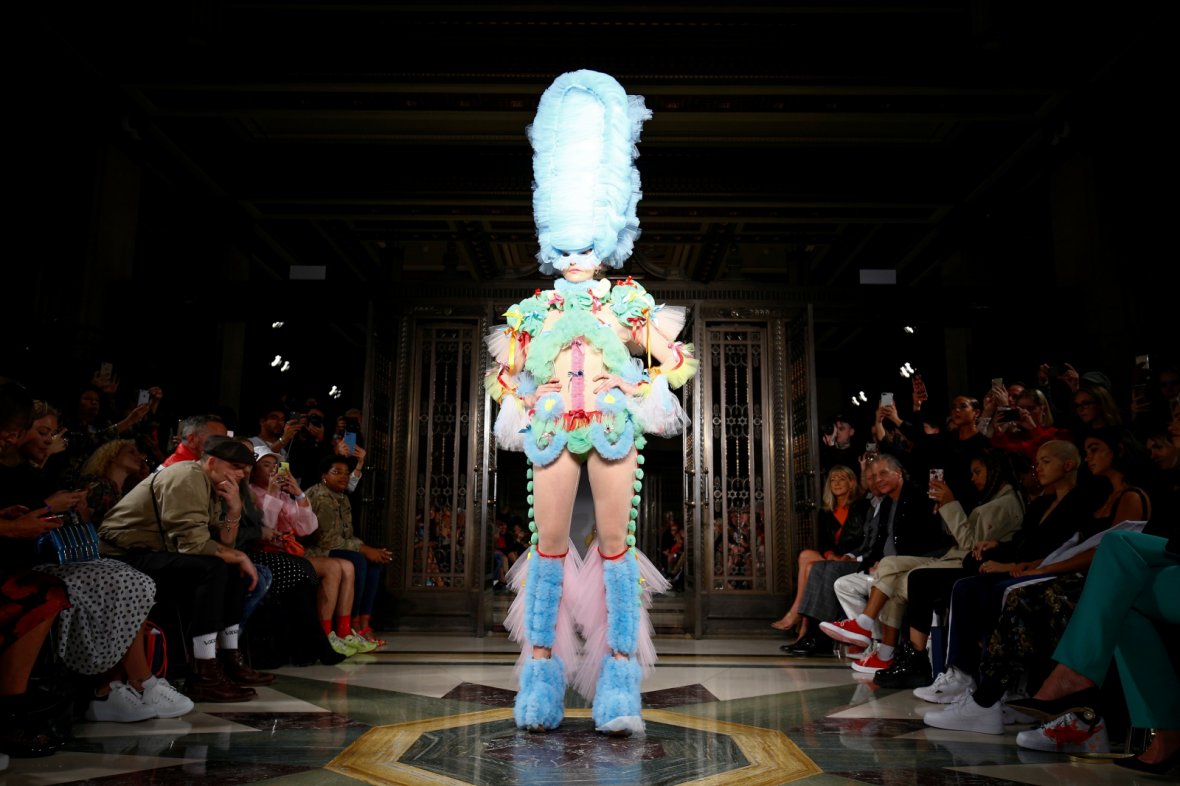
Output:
x=278 y=359
x=908 y=329
x=276 y=325
x=286 y=365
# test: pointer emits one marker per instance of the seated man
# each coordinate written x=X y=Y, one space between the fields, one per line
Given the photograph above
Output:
x=193 y=433
x=162 y=527
x=908 y=528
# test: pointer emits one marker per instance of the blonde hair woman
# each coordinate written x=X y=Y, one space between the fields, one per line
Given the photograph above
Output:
x=838 y=531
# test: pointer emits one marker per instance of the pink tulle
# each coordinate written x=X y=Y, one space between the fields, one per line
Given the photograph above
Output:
x=565 y=640
x=589 y=606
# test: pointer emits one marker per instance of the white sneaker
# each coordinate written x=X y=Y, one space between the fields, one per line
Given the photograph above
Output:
x=1016 y=717
x=966 y=715
x=947 y=687
x=166 y=700
x=122 y=705
x=1067 y=734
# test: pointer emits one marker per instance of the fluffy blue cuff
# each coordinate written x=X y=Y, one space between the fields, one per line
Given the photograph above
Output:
x=542 y=597
x=540 y=703
x=617 y=703
x=623 y=604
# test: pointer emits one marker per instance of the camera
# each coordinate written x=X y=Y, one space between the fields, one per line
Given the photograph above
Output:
x=1008 y=415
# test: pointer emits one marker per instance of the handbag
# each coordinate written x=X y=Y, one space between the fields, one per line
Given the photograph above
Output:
x=74 y=541
x=284 y=543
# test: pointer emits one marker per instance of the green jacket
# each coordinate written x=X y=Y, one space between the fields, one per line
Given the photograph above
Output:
x=189 y=506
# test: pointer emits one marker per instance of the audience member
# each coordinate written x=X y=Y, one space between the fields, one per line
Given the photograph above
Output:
x=194 y=432
x=840 y=529
x=335 y=538
x=162 y=528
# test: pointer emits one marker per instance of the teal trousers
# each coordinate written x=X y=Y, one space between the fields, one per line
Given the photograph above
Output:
x=1133 y=583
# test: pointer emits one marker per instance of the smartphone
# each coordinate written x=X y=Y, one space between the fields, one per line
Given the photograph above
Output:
x=872 y=452
x=284 y=468
x=920 y=387
x=935 y=474
x=1143 y=361
x=998 y=382
x=144 y=397
x=229 y=432
x=350 y=440
x=886 y=399
x=1008 y=415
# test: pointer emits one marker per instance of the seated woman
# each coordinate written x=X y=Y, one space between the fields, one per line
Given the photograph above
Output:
x=839 y=530
x=102 y=634
x=1049 y=521
x=285 y=509
x=29 y=603
x=1035 y=615
x=1133 y=584
x=335 y=538
x=106 y=473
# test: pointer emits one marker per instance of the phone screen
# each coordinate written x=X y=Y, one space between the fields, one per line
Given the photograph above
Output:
x=886 y=399
x=144 y=397
x=350 y=440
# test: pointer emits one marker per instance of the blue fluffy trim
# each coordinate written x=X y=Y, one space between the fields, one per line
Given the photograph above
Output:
x=525 y=384
x=617 y=693
x=543 y=457
x=540 y=703
x=623 y=606
x=541 y=599
x=612 y=451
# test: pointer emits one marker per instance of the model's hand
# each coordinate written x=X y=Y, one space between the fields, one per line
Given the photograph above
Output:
x=604 y=382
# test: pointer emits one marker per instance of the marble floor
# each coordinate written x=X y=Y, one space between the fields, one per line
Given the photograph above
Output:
x=437 y=710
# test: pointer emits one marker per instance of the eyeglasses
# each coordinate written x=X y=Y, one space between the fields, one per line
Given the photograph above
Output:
x=1084 y=404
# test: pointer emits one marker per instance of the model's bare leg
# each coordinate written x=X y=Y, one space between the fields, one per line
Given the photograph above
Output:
x=555 y=486
x=611 y=484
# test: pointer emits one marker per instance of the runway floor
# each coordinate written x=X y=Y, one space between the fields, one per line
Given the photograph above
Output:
x=437 y=710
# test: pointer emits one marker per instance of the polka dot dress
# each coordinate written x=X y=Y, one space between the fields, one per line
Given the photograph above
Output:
x=288 y=570
x=110 y=601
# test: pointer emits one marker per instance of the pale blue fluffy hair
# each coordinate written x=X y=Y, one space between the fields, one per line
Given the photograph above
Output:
x=585 y=183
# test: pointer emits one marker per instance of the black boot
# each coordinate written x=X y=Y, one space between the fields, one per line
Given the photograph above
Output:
x=910 y=669
x=809 y=646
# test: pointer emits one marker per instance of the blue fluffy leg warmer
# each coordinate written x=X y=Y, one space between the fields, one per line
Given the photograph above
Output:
x=623 y=603
x=542 y=598
x=616 y=699
x=540 y=703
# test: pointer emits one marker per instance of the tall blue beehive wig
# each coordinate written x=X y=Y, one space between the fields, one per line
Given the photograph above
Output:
x=585 y=183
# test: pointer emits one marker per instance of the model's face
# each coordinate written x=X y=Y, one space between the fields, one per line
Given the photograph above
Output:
x=1050 y=469
x=978 y=474
x=1099 y=456
x=580 y=265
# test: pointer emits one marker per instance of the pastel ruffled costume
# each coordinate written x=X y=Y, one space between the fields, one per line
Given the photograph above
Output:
x=591 y=617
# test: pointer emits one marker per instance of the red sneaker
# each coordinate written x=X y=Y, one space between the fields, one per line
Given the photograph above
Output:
x=848 y=632
x=855 y=652
x=871 y=664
